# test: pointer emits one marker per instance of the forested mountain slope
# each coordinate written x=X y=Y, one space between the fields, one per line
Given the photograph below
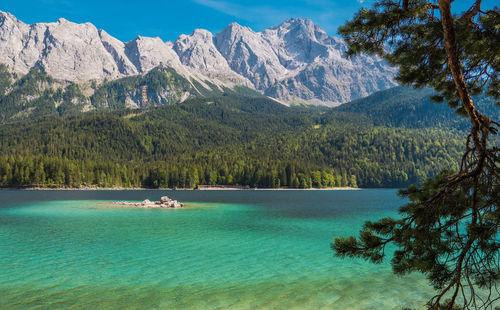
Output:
x=37 y=94
x=413 y=108
x=223 y=140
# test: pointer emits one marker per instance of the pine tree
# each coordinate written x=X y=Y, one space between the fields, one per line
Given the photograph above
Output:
x=449 y=230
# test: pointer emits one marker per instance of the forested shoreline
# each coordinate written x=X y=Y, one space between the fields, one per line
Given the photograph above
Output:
x=220 y=141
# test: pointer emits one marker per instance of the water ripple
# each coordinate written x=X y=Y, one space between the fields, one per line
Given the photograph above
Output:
x=80 y=255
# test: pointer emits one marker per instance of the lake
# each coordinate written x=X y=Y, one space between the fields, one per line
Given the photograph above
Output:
x=226 y=250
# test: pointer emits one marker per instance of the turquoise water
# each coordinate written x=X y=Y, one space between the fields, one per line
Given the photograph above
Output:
x=227 y=250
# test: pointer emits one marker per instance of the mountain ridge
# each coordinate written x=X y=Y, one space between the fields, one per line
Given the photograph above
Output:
x=295 y=61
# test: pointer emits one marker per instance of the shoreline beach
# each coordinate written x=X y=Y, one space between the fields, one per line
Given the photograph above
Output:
x=87 y=188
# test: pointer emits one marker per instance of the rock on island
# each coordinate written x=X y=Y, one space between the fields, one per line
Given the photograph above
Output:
x=164 y=202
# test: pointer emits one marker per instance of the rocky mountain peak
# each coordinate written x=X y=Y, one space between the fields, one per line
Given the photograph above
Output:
x=198 y=35
x=305 y=24
x=147 y=53
x=202 y=33
x=237 y=27
x=250 y=55
x=234 y=32
x=8 y=23
x=198 y=51
x=295 y=61
x=5 y=15
x=301 y=26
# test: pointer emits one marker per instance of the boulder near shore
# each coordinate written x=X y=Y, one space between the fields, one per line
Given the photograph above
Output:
x=164 y=202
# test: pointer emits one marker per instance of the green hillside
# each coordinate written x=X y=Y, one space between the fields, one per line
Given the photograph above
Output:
x=223 y=140
x=36 y=94
x=413 y=108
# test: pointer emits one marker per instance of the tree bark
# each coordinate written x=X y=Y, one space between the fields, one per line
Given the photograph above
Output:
x=477 y=119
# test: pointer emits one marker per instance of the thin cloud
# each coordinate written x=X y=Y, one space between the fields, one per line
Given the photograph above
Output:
x=329 y=14
x=224 y=7
x=257 y=14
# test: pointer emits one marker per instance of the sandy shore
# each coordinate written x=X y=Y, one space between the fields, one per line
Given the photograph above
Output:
x=88 y=188
x=310 y=189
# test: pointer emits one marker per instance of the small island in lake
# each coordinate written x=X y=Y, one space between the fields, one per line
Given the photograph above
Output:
x=164 y=202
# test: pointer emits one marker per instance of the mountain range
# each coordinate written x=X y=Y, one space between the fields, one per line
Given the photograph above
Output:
x=295 y=62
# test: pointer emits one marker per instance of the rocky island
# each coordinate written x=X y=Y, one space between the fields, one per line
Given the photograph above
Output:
x=164 y=202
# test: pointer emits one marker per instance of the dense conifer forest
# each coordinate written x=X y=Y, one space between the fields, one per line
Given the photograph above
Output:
x=225 y=140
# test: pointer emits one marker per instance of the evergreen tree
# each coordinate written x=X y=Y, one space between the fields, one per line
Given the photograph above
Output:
x=449 y=231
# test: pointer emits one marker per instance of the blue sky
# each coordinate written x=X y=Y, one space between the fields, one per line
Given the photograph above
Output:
x=125 y=19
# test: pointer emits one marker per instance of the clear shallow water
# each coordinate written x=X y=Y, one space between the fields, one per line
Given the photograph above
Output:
x=229 y=250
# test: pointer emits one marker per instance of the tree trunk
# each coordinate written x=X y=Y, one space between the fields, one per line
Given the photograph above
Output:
x=477 y=119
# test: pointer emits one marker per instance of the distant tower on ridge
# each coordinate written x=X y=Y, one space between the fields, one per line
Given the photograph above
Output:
x=144 y=101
